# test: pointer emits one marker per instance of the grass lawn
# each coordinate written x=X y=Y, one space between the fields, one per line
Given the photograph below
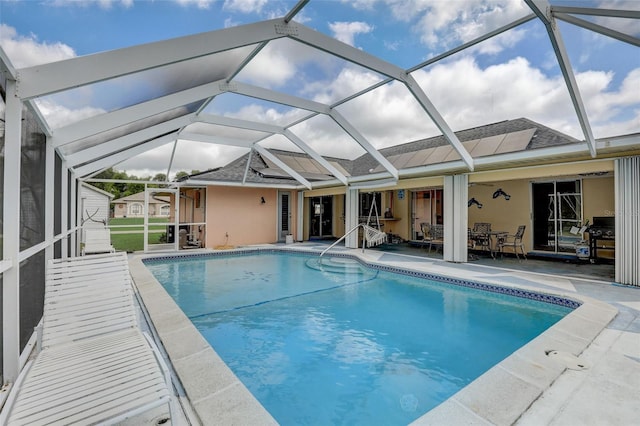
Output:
x=132 y=242
x=113 y=223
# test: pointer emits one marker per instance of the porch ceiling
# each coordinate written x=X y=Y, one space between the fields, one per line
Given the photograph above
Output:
x=202 y=67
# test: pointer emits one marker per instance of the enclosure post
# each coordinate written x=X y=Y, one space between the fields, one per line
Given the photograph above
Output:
x=627 y=220
x=300 y=217
x=11 y=234
x=49 y=198
x=64 y=209
x=73 y=211
x=351 y=216
x=456 y=214
x=145 y=222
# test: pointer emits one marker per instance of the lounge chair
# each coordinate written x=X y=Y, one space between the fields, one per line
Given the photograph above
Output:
x=86 y=297
x=95 y=365
x=97 y=240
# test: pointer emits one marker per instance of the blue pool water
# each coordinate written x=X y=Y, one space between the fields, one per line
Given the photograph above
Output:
x=340 y=343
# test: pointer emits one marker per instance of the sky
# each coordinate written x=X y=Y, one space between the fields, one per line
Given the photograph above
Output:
x=510 y=76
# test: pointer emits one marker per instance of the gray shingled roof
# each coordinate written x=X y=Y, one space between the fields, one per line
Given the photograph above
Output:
x=543 y=137
x=234 y=172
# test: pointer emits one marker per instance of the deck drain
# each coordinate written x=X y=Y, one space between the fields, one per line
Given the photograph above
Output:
x=571 y=361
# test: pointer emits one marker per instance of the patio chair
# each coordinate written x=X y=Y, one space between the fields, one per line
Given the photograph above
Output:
x=97 y=240
x=481 y=236
x=436 y=236
x=514 y=241
x=471 y=245
x=425 y=228
x=95 y=365
x=373 y=236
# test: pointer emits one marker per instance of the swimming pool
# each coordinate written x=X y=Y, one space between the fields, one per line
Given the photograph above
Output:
x=367 y=346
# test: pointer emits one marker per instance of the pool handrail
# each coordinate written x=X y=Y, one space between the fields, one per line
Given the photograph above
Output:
x=343 y=237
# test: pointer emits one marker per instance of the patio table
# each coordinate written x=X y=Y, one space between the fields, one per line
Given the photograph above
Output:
x=494 y=237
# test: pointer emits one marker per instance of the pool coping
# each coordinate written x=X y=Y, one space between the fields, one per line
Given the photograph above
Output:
x=499 y=396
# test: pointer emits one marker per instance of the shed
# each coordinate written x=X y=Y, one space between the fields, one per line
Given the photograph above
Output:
x=95 y=205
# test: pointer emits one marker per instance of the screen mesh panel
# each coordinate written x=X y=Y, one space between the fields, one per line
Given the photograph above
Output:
x=57 y=205
x=32 y=211
x=2 y=108
x=31 y=295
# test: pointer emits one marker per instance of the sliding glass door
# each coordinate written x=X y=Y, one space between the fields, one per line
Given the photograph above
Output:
x=557 y=215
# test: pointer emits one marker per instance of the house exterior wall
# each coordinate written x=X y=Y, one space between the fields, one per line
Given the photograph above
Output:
x=503 y=215
x=239 y=213
x=127 y=209
x=120 y=210
x=95 y=207
x=601 y=197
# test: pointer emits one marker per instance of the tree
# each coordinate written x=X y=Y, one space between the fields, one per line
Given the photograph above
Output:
x=181 y=174
x=118 y=189
x=160 y=177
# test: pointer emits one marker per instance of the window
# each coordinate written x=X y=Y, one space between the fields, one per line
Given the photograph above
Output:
x=135 y=209
x=164 y=210
x=366 y=202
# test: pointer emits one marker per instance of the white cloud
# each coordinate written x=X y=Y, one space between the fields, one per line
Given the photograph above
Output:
x=361 y=4
x=189 y=156
x=244 y=6
x=468 y=95
x=463 y=21
x=58 y=115
x=346 y=31
x=350 y=80
x=500 y=42
x=271 y=67
x=281 y=60
x=25 y=51
x=200 y=4
x=268 y=115
x=444 y=24
x=603 y=104
x=628 y=26
x=102 y=4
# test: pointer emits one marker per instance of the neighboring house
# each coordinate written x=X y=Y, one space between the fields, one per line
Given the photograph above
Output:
x=261 y=202
x=95 y=205
x=133 y=206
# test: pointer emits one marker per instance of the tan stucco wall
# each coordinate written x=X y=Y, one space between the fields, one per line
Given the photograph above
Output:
x=338 y=216
x=239 y=213
x=502 y=214
x=400 y=225
x=599 y=197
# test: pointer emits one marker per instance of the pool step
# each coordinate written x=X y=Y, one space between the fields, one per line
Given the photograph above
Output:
x=335 y=264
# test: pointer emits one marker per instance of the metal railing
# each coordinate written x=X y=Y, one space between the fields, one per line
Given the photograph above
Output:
x=345 y=236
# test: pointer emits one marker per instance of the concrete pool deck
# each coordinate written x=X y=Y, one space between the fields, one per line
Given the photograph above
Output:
x=592 y=378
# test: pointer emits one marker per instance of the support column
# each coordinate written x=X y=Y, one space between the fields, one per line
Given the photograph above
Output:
x=300 y=217
x=73 y=211
x=456 y=192
x=49 y=191
x=64 y=208
x=351 y=217
x=11 y=235
x=627 y=217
